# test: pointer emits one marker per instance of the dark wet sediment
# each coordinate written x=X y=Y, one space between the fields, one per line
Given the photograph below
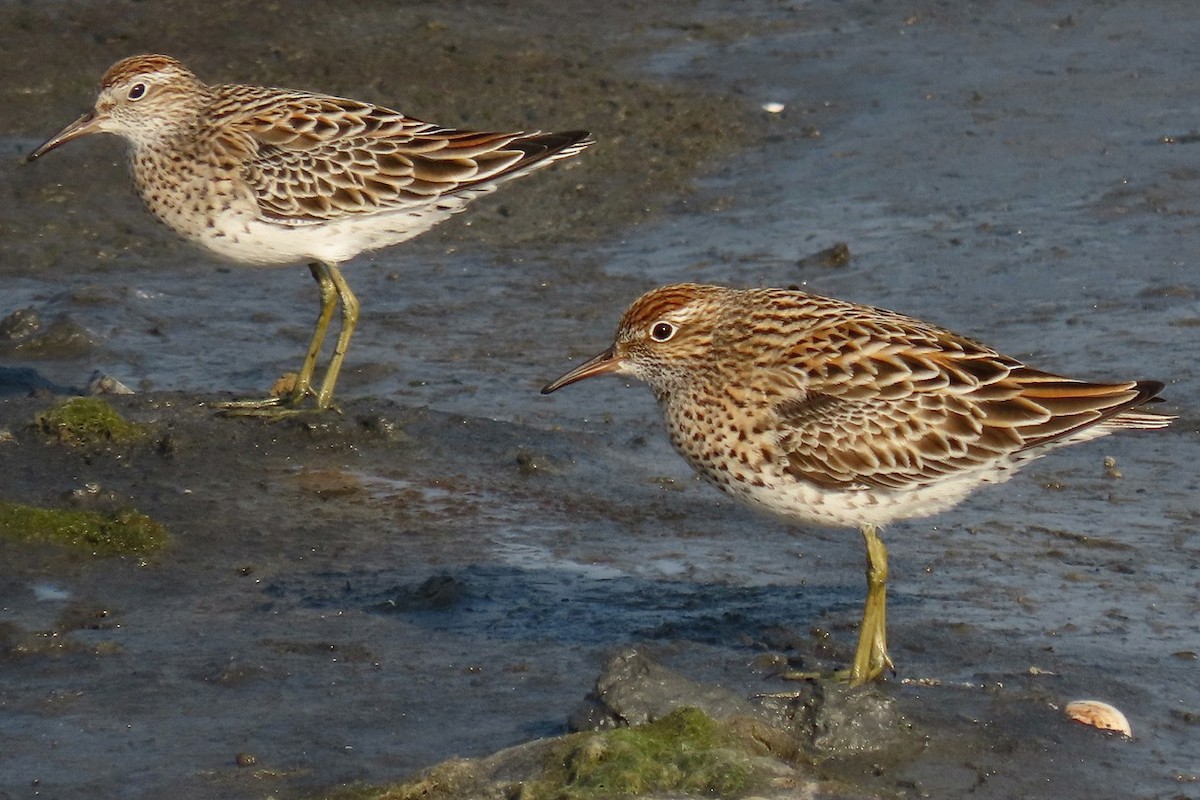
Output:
x=428 y=605
x=445 y=569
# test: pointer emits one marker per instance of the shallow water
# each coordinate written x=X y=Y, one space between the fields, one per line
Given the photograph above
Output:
x=996 y=168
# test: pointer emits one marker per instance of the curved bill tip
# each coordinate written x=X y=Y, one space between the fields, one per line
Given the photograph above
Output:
x=601 y=364
x=88 y=123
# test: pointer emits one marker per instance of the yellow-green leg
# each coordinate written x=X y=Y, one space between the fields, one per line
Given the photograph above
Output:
x=349 y=320
x=327 y=286
x=871 y=657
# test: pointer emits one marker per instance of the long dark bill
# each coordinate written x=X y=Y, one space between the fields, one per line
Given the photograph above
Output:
x=80 y=127
x=601 y=364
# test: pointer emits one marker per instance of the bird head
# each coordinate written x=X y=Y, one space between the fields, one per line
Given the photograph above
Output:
x=663 y=339
x=141 y=98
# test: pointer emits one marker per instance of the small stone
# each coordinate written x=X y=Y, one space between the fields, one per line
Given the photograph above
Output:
x=100 y=383
x=285 y=385
x=1110 y=467
x=836 y=256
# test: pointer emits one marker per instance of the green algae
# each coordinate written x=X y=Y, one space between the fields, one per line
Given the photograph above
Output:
x=686 y=753
x=84 y=421
x=105 y=534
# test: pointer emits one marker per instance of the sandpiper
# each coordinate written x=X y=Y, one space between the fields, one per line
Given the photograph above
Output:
x=836 y=414
x=267 y=176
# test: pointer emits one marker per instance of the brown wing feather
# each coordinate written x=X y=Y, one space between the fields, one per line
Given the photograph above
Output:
x=319 y=158
x=929 y=404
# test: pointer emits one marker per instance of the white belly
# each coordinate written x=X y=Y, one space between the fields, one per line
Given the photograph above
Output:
x=799 y=501
x=254 y=241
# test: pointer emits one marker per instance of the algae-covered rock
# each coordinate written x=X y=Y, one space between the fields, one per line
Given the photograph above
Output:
x=650 y=741
x=685 y=752
x=819 y=719
x=634 y=690
x=83 y=421
x=122 y=532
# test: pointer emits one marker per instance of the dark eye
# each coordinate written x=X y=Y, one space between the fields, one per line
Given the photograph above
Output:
x=137 y=91
x=661 y=331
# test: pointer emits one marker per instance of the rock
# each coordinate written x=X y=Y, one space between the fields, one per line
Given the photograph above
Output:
x=436 y=593
x=100 y=383
x=633 y=690
x=23 y=334
x=820 y=719
x=832 y=719
x=648 y=732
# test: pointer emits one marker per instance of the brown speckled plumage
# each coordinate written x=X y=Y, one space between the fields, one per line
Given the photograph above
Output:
x=273 y=176
x=832 y=413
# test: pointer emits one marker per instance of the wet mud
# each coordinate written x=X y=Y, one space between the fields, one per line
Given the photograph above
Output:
x=444 y=568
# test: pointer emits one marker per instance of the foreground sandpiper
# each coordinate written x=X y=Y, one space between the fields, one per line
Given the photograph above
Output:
x=272 y=176
x=831 y=413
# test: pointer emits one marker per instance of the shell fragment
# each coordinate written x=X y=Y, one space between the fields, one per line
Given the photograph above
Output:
x=1100 y=715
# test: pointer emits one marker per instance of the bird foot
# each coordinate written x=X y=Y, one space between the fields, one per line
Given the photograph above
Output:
x=837 y=675
x=815 y=675
x=267 y=413
x=879 y=664
x=270 y=408
x=287 y=399
x=250 y=405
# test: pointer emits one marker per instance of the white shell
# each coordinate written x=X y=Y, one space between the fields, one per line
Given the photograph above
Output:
x=1100 y=715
